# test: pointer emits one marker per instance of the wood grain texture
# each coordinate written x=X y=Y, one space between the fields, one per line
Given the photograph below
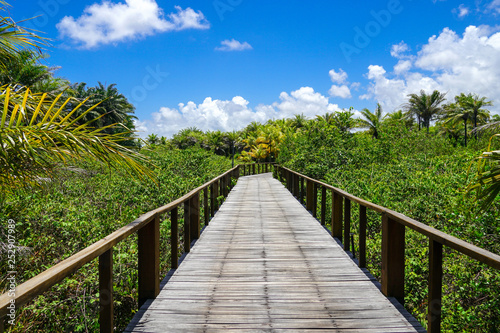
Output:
x=264 y=264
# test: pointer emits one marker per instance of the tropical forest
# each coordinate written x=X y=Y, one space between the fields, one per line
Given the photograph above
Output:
x=74 y=169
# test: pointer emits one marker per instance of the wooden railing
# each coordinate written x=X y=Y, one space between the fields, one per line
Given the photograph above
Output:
x=394 y=224
x=147 y=226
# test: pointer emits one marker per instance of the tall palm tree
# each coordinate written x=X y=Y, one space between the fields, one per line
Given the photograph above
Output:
x=344 y=120
x=475 y=104
x=425 y=107
x=299 y=121
x=461 y=111
x=372 y=121
x=113 y=110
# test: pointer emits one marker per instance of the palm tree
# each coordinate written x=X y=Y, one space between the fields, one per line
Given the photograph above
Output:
x=425 y=107
x=461 y=111
x=327 y=118
x=475 y=104
x=26 y=69
x=34 y=144
x=152 y=139
x=344 y=120
x=298 y=121
x=372 y=121
x=114 y=110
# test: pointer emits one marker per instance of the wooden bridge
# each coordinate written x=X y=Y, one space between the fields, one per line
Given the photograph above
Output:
x=264 y=263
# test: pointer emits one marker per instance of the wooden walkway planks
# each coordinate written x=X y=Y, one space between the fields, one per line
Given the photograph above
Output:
x=266 y=265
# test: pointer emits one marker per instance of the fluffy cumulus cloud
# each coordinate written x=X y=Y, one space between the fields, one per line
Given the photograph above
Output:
x=462 y=11
x=494 y=6
x=233 y=45
x=449 y=62
x=110 y=22
x=234 y=114
x=340 y=87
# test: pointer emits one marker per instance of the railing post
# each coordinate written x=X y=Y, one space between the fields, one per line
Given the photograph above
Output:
x=362 y=236
x=337 y=215
x=309 y=195
x=215 y=195
x=221 y=187
x=149 y=260
x=393 y=258
x=315 y=200
x=266 y=167
x=194 y=216
x=206 y=207
x=174 y=238
x=323 y=205
x=187 y=226
x=302 y=190
x=435 y=286
x=253 y=169
x=347 y=224
x=296 y=186
x=106 y=292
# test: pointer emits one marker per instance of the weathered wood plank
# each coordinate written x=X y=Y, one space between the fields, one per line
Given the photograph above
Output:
x=264 y=264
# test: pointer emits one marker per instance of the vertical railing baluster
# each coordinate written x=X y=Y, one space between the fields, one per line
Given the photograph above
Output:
x=309 y=195
x=302 y=190
x=149 y=260
x=435 y=286
x=347 y=224
x=187 y=226
x=362 y=236
x=315 y=200
x=216 y=196
x=323 y=205
x=393 y=258
x=253 y=169
x=174 y=238
x=106 y=292
x=337 y=215
x=266 y=167
x=206 y=207
x=194 y=216
x=296 y=185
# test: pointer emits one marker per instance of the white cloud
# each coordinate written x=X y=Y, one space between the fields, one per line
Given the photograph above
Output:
x=494 y=6
x=449 y=63
x=341 y=89
x=233 y=45
x=234 y=114
x=306 y=101
x=109 y=22
x=462 y=11
x=402 y=67
x=397 y=50
x=339 y=77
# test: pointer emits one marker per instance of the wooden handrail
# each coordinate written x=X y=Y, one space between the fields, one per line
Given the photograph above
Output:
x=147 y=225
x=393 y=239
x=468 y=249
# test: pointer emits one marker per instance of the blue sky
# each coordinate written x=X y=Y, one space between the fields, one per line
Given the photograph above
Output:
x=221 y=64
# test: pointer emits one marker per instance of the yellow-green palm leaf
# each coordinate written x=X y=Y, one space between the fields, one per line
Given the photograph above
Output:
x=36 y=136
x=486 y=184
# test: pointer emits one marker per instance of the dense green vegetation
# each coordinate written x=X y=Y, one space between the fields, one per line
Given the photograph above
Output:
x=68 y=151
x=76 y=208
x=424 y=177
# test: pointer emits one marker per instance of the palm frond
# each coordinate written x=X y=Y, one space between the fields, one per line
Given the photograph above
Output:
x=34 y=139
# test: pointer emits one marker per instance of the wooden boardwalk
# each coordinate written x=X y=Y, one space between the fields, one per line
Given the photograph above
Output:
x=264 y=264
